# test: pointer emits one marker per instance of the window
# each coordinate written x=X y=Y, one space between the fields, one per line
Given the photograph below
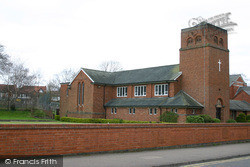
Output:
x=150 y=111
x=130 y=110
x=198 y=39
x=174 y=110
x=161 y=90
x=82 y=93
x=122 y=91
x=189 y=41
x=221 y=41
x=133 y=110
x=113 y=110
x=194 y=112
x=140 y=90
x=215 y=39
x=155 y=111
x=79 y=93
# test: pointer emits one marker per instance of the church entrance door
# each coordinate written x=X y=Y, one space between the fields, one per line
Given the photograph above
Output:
x=218 y=113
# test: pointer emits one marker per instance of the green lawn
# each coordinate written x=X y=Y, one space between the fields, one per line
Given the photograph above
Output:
x=16 y=115
x=24 y=115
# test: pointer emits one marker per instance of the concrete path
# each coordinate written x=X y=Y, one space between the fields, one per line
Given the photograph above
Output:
x=158 y=158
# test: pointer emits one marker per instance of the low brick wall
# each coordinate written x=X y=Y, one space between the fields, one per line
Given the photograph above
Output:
x=59 y=139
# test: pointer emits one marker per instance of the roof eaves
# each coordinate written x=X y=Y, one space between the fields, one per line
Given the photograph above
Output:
x=78 y=74
x=193 y=99
x=178 y=75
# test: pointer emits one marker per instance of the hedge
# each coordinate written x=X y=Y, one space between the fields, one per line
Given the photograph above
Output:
x=195 y=119
x=231 y=121
x=169 y=117
x=248 y=118
x=92 y=120
x=57 y=117
x=241 y=118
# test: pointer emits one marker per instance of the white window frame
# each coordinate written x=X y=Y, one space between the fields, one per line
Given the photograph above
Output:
x=133 y=110
x=140 y=90
x=155 y=111
x=150 y=111
x=160 y=90
x=122 y=91
x=130 y=110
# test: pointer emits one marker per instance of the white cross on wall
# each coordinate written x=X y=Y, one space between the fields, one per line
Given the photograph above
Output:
x=219 y=62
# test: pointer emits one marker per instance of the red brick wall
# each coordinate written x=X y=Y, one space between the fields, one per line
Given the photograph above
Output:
x=141 y=114
x=70 y=103
x=242 y=96
x=203 y=81
x=40 y=139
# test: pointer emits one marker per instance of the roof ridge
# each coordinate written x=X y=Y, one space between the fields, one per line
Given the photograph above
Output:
x=146 y=68
x=130 y=69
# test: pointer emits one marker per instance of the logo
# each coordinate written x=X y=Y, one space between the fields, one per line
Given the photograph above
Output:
x=7 y=161
x=221 y=20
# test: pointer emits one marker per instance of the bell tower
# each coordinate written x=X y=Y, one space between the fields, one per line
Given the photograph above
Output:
x=204 y=63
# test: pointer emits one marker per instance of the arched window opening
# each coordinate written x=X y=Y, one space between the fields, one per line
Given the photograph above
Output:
x=198 y=39
x=216 y=39
x=189 y=41
x=221 y=41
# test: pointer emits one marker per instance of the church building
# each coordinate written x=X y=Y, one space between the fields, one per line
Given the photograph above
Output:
x=199 y=84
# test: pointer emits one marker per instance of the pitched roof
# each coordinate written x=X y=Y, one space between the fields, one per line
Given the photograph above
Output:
x=146 y=75
x=29 y=89
x=233 y=78
x=239 y=105
x=180 y=100
x=245 y=89
x=5 y=88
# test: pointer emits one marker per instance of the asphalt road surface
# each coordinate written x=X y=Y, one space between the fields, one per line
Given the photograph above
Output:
x=233 y=162
x=161 y=158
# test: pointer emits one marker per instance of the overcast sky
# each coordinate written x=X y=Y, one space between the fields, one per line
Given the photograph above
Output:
x=52 y=35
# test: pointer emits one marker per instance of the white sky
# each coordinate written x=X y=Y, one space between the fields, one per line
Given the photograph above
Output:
x=52 y=35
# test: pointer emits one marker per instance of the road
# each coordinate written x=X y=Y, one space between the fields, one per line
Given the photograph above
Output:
x=158 y=158
x=233 y=162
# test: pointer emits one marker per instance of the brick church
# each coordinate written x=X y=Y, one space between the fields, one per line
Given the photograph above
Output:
x=199 y=84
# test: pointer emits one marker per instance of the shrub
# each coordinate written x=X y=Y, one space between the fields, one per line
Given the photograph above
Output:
x=241 y=118
x=57 y=117
x=248 y=118
x=207 y=118
x=39 y=114
x=13 y=107
x=169 y=117
x=89 y=120
x=195 y=119
x=231 y=121
x=216 y=120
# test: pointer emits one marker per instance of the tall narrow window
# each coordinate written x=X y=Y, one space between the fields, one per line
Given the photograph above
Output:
x=216 y=39
x=79 y=93
x=82 y=93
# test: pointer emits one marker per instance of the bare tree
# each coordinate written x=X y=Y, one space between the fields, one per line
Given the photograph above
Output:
x=66 y=75
x=5 y=63
x=110 y=66
x=20 y=76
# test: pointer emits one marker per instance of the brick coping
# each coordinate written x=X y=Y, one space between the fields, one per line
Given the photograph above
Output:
x=116 y=126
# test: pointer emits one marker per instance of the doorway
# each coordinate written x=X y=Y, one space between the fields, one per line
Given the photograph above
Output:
x=218 y=113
